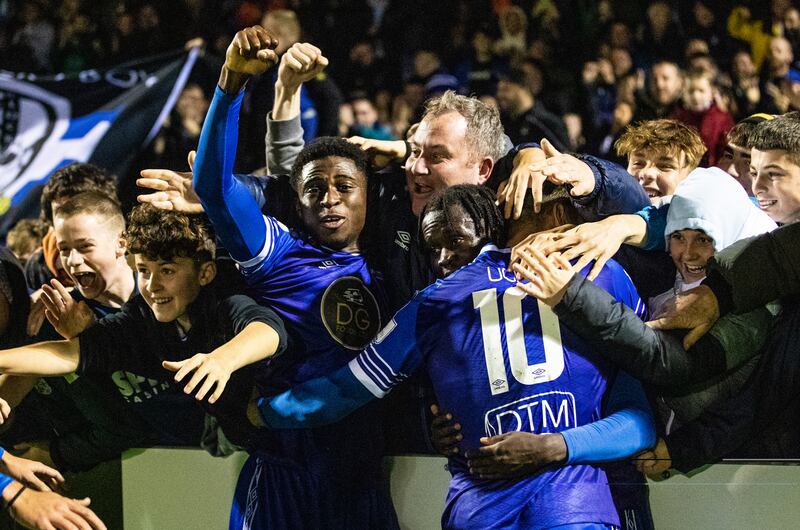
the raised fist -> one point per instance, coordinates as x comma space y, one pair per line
252, 51
302, 62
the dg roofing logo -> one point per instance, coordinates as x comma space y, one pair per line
350, 312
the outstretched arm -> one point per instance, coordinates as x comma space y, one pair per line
316, 402
235, 214
58, 357
254, 343
612, 327
372, 374
301, 63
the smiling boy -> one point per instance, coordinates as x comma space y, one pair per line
78, 422
661, 153
775, 168
180, 312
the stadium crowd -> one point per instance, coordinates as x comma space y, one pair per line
601, 197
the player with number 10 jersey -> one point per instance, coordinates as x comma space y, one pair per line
500, 362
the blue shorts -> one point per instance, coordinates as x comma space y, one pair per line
275, 494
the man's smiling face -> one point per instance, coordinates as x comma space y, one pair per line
441, 157
776, 184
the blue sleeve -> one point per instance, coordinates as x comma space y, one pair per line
257, 186
5, 480
372, 374
309, 118
615, 191
234, 212
656, 219
627, 428
315, 402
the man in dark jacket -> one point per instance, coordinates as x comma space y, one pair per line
524, 118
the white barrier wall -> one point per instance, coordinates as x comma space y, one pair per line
179, 489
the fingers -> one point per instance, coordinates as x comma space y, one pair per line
446, 433
201, 372
5, 411
183, 368
173, 366
665, 322
599, 263
76, 519
35, 482
521, 190
152, 183
36, 318
50, 473
208, 384
536, 262
536, 194
694, 335
81, 507
548, 148
221, 384
157, 200
190, 159
61, 290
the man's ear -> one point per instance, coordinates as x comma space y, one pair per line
122, 247
208, 271
485, 170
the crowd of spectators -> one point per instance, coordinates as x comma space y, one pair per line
576, 71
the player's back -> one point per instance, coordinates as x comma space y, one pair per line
500, 362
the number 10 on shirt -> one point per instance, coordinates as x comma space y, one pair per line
487, 303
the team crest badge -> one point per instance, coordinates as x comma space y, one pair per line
350, 313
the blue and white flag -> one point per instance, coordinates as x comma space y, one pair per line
102, 116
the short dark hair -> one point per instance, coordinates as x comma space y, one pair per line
739, 135
161, 234
93, 203
478, 202
326, 146
552, 196
73, 179
782, 133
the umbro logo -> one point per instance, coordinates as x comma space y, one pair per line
327, 264
403, 239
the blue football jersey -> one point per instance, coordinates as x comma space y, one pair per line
501, 362
329, 300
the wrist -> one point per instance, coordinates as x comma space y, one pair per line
232, 82
12, 492
284, 90
223, 360
555, 448
631, 229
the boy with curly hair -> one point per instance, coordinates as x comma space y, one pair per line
179, 313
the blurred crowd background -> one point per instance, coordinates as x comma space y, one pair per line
576, 71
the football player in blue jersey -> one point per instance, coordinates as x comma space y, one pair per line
315, 278
500, 361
